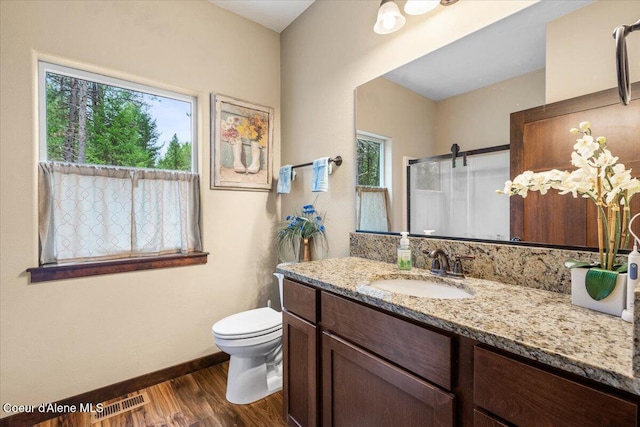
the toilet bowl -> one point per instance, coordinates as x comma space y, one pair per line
253, 340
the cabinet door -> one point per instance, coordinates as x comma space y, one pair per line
300, 386
360, 389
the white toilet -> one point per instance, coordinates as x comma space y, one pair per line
253, 339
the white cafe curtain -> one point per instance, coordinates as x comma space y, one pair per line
372, 209
90, 212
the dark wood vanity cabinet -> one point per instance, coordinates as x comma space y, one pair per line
348, 364
376, 369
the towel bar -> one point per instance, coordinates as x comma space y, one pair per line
337, 160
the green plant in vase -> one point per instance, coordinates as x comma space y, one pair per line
600, 178
300, 229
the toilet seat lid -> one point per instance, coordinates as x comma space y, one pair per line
250, 323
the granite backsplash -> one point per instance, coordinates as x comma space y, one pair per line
533, 267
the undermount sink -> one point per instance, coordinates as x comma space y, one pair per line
424, 288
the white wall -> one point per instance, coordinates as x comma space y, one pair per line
388, 109
62, 338
329, 51
581, 51
481, 118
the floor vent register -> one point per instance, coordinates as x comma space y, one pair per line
120, 407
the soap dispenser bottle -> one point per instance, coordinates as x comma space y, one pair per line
404, 253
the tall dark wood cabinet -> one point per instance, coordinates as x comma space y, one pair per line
300, 355
540, 141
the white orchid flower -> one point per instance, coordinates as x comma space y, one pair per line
507, 188
605, 159
586, 146
584, 126
537, 182
632, 187
578, 181
597, 176
619, 181
523, 182
557, 177
579, 161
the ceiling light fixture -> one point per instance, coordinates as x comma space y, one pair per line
418, 7
389, 18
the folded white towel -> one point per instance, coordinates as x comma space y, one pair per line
284, 180
320, 175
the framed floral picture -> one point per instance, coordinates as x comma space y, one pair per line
241, 144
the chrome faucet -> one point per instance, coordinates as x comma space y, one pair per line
440, 263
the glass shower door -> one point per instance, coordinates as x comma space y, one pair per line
445, 201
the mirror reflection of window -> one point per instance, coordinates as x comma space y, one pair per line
428, 176
370, 160
461, 201
372, 197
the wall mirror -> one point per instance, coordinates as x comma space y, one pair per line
459, 97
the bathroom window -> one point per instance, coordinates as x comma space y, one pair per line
87, 118
370, 160
117, 171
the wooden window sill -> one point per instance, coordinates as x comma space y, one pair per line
69, 271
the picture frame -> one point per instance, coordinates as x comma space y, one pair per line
241, 145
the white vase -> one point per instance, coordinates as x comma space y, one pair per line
237, 157
254, 167
613, 304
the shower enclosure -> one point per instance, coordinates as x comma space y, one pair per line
455, 195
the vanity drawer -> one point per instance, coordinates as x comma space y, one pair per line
300, 300
528, 396
482, 419
422, 351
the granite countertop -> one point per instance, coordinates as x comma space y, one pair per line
533, 323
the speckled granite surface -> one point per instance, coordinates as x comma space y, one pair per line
532, 267
533, 323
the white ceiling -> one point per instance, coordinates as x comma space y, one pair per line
511, 47
273, 14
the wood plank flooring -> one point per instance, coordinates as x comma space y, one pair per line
193, 400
